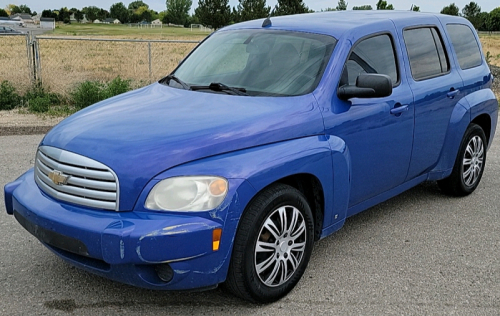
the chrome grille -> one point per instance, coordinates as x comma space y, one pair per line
76, 179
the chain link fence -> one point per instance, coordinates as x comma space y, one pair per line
16, 61
61, 63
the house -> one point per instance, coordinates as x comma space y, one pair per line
22, 17
36, 18
97, 21
111, 21
47, 23
73, 19
156, 22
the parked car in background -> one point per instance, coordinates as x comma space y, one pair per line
266, 138
9, 30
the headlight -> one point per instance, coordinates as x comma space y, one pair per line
200, 193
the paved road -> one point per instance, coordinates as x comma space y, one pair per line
420, 253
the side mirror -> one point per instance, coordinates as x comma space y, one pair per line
367, 86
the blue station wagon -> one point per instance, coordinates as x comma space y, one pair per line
263, 140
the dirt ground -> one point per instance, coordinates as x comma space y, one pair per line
18, 122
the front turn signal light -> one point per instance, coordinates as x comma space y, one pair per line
216, 234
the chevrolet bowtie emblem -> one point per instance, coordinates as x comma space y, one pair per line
58, 177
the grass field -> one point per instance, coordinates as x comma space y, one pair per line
491, 48
127, 32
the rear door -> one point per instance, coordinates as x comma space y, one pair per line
436, 86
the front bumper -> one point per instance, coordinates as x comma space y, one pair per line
129, 247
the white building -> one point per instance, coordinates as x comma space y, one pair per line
47, 23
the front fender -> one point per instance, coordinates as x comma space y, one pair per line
325, 157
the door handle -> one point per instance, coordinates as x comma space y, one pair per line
399, 109
452, 93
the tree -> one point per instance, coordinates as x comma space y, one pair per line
363, 7
178, 11
415, 8
49, 14
252, 9
494, 20
382, 5
24, 9
102, 14
63, 15
78, 15
3, 13
144, 14
471, 12
91, 12
119, 11
214, 13
341, 5
287, 7
14, 9
452, 9
136, 5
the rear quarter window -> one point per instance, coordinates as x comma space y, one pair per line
465, 45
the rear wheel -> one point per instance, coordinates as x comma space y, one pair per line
469, 164
272, 246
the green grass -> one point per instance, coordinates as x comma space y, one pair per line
125, 31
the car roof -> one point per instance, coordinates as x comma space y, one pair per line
337, 22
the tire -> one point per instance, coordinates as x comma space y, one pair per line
469, 164
267, 272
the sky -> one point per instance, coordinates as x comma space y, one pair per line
317, 5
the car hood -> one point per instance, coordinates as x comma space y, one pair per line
142, 133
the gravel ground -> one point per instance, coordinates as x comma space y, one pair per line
18, 122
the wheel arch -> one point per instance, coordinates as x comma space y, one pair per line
310, 186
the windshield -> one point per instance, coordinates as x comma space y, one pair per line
258, 62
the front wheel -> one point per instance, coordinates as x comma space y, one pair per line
469, 164
272, 246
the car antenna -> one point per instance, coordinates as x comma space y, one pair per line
267, 22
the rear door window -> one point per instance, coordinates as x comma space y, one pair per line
426, 52
465, 45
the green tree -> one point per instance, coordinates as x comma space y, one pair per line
494, 20
78, 15
287, 7
49, 14
415, 8
252, 9
136, 5
363, 7
452, 9
14, 9
341, 5
471, 12
119, 11
383, 5
3, 13
24, 9
178, 11
91, 12
214, 13
235, 16
63, 15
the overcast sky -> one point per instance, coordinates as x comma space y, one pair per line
317, 5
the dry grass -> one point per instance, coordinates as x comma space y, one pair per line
14, 62
66, 63
491, 48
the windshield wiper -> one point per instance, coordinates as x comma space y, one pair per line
217, 86
179, 81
